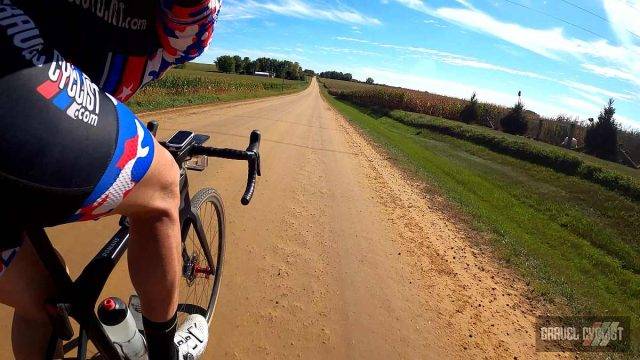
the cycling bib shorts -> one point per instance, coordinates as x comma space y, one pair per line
70, 150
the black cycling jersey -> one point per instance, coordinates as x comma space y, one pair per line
121, 45
69, 150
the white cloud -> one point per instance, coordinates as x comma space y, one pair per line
623, 17
546, 42
346, 51
417, 5
460, 60
627, 123
434, 23
594, 90
588, 109
464, 3
611, 73
236, 9
451, 88
466, 61
448, 58
598, 57
621, 61
354, 40
551, 43
595, 99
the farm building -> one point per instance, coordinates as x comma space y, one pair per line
263, 74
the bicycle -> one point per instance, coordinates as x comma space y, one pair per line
77, 299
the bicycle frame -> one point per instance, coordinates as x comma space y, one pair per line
77, 299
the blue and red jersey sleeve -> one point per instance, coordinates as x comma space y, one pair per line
185, 28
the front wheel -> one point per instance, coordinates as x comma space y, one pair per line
202, 256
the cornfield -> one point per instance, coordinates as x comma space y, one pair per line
394, 98
550, 130
185, 81
198, 84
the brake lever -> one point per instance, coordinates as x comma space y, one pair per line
255, 138
253, 159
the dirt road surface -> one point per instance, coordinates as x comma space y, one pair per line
339, 255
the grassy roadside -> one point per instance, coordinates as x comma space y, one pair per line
197, 84
613, 176
575, 242
548, 130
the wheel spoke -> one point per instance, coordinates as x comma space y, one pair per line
197, 287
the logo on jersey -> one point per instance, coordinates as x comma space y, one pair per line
23, 32
113, 12
71, 91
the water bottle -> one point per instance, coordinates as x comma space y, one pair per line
121, 327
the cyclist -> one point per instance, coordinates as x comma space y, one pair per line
71, 151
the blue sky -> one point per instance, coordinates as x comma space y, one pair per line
566, 60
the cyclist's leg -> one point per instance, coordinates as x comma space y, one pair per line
65, 145
154, 249
154, 260
25, 286
63, 164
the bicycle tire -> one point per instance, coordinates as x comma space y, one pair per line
197, 257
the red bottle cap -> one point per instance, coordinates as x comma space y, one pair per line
109, 304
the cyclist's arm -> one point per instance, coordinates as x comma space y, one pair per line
185, 28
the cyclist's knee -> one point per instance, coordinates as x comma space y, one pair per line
158, 194
167, 183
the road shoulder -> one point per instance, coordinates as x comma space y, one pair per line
482, 306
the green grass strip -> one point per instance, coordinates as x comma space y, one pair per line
525, 149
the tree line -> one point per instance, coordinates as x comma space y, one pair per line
601, 138
277, 68
337, 75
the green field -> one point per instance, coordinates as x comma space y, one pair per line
612, 176
551, 131
417, 120
576, 243
199, 84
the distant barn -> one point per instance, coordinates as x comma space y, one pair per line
263, 74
